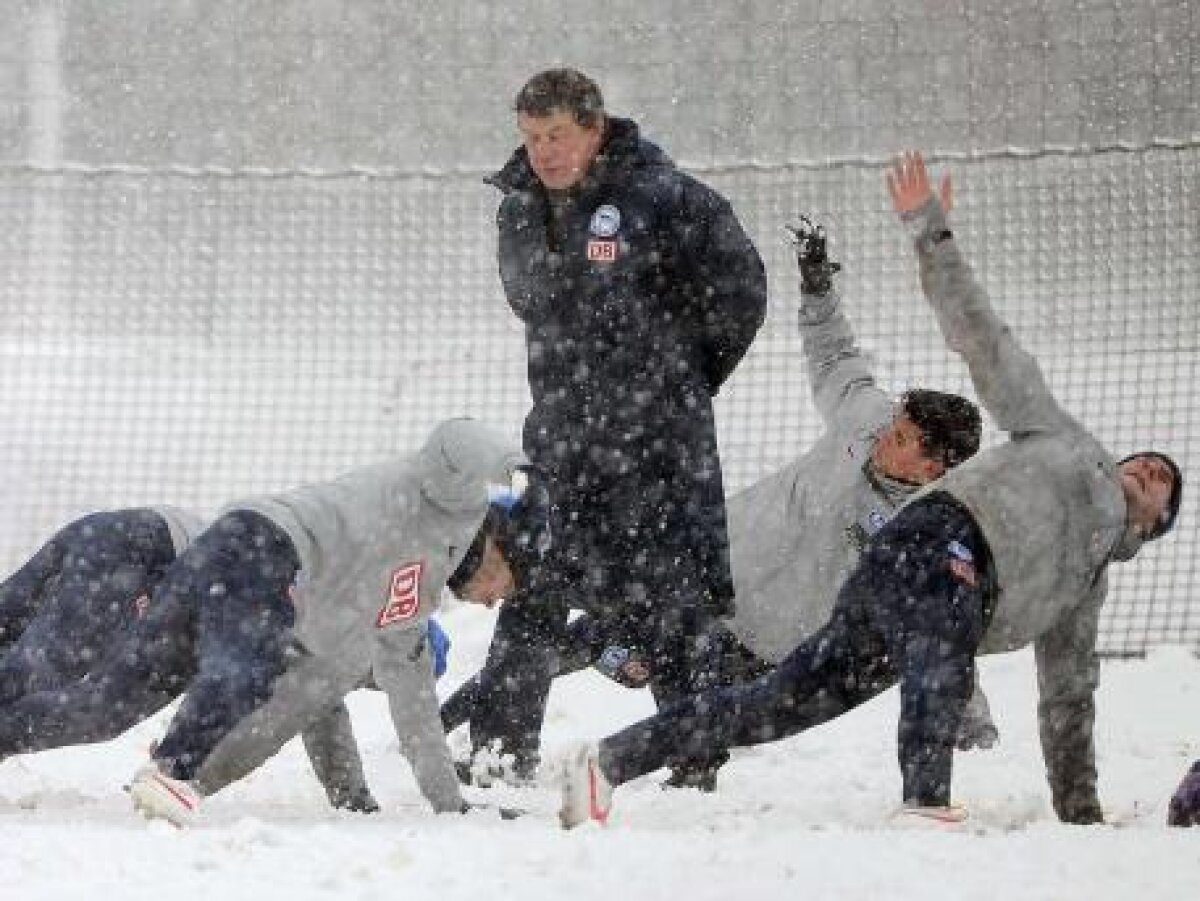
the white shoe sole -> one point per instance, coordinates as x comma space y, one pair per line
157, 798
937, 818
587, 796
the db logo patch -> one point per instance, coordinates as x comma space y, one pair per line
141, 604
404, 595
599, 251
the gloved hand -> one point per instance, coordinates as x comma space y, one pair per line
439, 647
816, 269
624, 666
1184, 809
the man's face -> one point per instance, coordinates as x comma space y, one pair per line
492, 582
1147, 482
899, 453
560, 149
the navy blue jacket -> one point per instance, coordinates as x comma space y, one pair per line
638, 299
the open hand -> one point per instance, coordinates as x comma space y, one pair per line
908, 183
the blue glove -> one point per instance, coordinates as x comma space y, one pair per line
1185, 803
439, 647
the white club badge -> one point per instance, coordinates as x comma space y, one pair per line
606, 221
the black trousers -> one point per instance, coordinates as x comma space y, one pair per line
913, 611
630, 551
532, 645
583, 643
218, 625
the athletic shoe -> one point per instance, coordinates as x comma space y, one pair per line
914, 816
160, 797
586, 794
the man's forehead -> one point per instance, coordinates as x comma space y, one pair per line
556, 118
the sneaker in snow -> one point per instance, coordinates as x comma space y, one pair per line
911, 815
158, 796
586, 794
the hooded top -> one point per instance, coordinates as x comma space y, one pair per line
376, 547
1050, 504
797, 533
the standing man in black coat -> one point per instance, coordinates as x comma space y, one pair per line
640, 293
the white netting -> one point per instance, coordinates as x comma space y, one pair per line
191, 338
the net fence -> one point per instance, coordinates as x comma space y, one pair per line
192, 337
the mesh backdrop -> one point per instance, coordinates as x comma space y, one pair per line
191, 338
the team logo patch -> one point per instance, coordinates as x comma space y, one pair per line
404, 595
875, 522
962, 564
601, 251
606, 221
141, 604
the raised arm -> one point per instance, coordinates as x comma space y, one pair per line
839, 374
1008, 380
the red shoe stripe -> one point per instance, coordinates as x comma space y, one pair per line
595, 811
941, 814
175, 793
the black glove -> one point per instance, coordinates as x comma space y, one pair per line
624, 666
1184, 809
816, 269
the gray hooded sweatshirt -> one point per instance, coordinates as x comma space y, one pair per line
796, 534
376, 547
1050, 504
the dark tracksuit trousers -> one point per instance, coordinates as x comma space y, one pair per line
77, 597
913, 611
633, 554
218, 625
533, 644
583, 643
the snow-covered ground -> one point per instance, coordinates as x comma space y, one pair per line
805, 819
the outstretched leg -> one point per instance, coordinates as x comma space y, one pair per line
137, 678
576, 648
836, 669
107, 565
